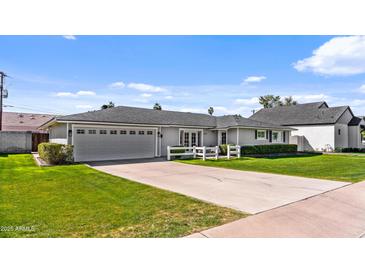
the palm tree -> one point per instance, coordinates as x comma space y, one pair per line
157, 106
210, 110
289, 101
109, 105
269, 101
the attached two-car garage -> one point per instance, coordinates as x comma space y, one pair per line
109, 143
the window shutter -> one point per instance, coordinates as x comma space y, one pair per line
267, 134
256, 134
270, 136
284, 135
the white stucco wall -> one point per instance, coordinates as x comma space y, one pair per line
317, 136
247, 137
58, 134
341, 136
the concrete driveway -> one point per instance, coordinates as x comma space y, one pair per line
250, 192
337, 213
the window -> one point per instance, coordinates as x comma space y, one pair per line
102, 131
132, 132
193, 139
224, 138
123, 132
80, 131
339, 131
113, 132
261, 135
92, 131
149, 132
141, 132
276, 137
186, 139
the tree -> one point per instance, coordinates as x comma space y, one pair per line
269, 101
289, 101
210, 110
109, 105
157, 106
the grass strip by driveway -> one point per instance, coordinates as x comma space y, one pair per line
77, 201
332, 167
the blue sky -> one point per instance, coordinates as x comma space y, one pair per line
61, 75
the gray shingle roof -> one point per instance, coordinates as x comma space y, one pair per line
133, 115
355, 121
233, 121
301, 114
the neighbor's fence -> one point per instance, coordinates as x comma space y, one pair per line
195, 152
202, 152
15, 141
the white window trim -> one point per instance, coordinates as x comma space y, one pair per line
280, 137
192, 130
261, 138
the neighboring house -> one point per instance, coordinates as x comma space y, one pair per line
15, 121
322, 126
129, 132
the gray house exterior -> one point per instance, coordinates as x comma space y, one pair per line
322, 127
130, 133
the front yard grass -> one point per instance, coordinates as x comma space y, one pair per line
344, 168
77, 201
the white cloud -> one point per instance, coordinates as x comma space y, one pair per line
169, 97
247, 102
308, 98
362, 88
85, 93
145, 87
254, 79
84, 106
357, 103
79, 93
69, 37
339, 56
146, 95
117, 85
65, 94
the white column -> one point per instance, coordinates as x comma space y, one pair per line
168, 153
238, 136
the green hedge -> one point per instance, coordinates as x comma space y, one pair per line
55, 153
268, 149
350, 149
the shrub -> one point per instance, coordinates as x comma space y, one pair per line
55, 153
178, 150
223, 149
268, 149
350, 149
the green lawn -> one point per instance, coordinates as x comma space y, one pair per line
77, 201
333, 167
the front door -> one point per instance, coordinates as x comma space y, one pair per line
192, 138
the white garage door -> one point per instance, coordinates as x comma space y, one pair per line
97, 144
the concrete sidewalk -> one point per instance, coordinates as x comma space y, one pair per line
337, 213
251, 192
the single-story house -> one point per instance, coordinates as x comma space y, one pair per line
322, 126
129, 132
15, 121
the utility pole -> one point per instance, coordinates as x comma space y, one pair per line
2, 76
